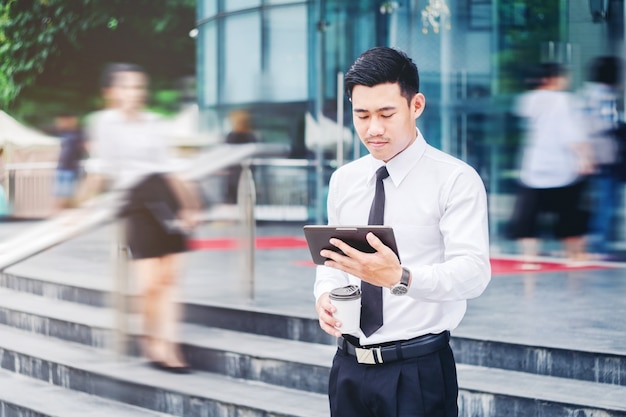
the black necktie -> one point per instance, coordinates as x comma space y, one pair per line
372, 295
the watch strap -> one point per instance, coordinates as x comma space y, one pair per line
406, 276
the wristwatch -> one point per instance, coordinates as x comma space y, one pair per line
402, 287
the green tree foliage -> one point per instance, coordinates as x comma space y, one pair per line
54, 50
524, 26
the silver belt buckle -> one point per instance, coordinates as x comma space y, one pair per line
368, 356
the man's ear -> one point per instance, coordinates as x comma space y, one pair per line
417, 104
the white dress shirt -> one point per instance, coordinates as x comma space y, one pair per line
437, 207
553, 128
127, 150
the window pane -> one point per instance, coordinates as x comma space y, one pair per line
278, 1
287, 55
207, 8
242, 51
232, 5
208, 59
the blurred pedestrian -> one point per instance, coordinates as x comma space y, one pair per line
554, 165
67, 128
130, 149
399, 362
599, 103
241, 133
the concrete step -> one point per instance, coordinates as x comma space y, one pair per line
234, 341
90, 292
608, 367
131, 381
283, 362
488, 392
77, 323
484, 392
27, 397
252, 319
262, 321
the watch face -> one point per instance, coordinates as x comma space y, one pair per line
399, 289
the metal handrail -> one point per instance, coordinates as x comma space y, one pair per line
30, 165
278, 162
103, 209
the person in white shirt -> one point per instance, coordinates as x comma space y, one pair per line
437, 207
599, 97
130, 151
556, 159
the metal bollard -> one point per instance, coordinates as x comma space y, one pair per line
246, 200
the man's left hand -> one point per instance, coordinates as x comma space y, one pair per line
381, 268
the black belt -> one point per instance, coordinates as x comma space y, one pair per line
397, 351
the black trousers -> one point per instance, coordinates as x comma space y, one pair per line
565, 202
418, 387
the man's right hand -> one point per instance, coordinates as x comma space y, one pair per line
325, 311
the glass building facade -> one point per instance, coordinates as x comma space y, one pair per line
283, 61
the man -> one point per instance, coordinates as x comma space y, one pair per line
437, 207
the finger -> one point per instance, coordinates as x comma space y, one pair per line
325, 306
339, 259
329, 329
375, 242
328, 318
343, 263
348, 250
328, 323
331, 326
379, 246
331, 254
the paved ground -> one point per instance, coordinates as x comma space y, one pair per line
583, 309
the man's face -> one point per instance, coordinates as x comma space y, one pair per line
384, 120
130, 90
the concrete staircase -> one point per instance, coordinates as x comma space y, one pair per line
56, 359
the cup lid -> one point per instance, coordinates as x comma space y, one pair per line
345, 293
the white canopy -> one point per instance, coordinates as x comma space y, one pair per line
16, 134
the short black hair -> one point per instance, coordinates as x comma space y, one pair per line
552, 70
382, 65
606, 70
540, 74
106, 79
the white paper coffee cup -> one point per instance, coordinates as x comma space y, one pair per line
347, 301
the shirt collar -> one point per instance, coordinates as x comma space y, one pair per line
401, 164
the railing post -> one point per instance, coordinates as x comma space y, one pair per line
246, 200
120, 292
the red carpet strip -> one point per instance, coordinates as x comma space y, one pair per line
498, 266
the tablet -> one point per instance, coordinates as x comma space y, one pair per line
317, 237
